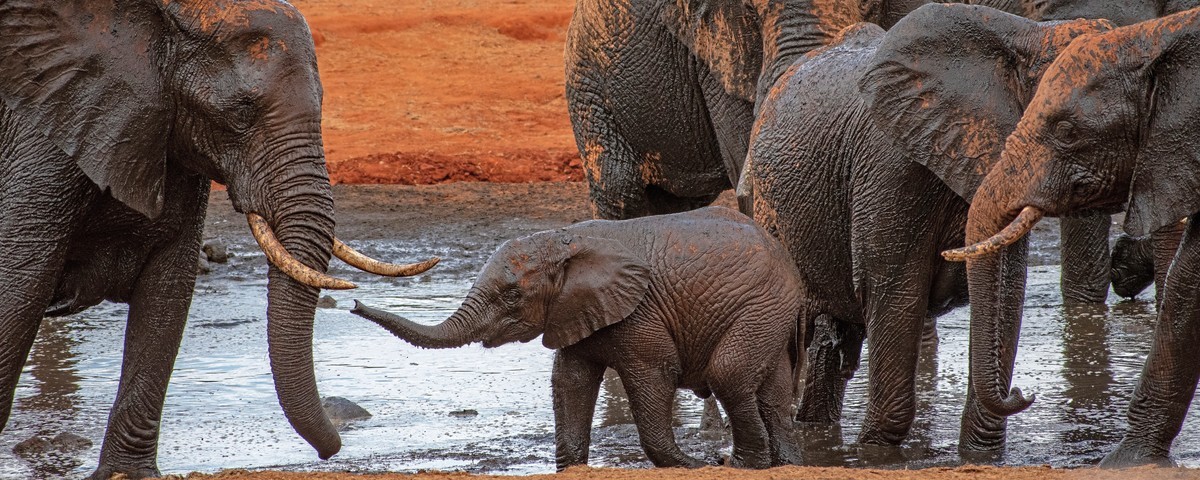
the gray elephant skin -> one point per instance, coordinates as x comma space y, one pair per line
863, 160
662, 94
115, 117
1112, 126
703, 300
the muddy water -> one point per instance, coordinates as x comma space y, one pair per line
221, 410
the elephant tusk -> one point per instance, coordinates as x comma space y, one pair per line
371, 265
1021, 225
288, 264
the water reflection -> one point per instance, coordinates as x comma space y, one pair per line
52, 366
1088, 377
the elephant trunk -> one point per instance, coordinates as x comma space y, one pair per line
291, 193
461, 328
996, 280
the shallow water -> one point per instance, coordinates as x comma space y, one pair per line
221, 409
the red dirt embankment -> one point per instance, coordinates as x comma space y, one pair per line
431, 91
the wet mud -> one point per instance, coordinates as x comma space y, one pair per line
488, 411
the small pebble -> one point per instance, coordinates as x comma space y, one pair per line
327, 301
470, 412
216, 251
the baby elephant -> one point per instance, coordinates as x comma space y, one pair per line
703, 300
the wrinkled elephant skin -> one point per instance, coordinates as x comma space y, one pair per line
703, 300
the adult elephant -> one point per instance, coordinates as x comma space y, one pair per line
115, 116
1085, 251
1113, 125
863, 161
662, 94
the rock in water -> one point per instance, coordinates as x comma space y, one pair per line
327, 301
216, 251
341, 411
70, 442
470, 412
32, 447
204, 266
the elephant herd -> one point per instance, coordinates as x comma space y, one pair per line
870, 136
868, 141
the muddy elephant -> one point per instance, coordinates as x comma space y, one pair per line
703, 300
863, 161
1113, 125
1085, 238
115, 117
661, 95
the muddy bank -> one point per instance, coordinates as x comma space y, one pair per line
712, 473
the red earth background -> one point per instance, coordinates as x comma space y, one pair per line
433, 91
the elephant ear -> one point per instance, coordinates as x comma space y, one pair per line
725, 35
603, 282
1166, 180
949, 83
84, 74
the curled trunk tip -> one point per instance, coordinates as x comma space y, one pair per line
1012, 404
1020, 226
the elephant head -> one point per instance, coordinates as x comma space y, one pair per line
555, 284
223, 89
1112, 123
948, 84
1120, 12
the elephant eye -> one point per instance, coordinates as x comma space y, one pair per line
511, 296
1064, 132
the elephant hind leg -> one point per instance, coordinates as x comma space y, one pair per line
774, 406
834, 349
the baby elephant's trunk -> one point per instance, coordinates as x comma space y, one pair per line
456, 331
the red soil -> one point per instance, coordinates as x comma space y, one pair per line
431, 91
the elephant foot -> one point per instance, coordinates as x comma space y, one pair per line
1128, 455
818, 414
106, 472
982, 442
881, 437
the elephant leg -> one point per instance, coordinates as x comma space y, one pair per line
834, 349
616, 188
895, 322
1085, 259
158, 310
42, 197
1168, 382
575, 383
751, 440
1165, 243
651, 400
774, 406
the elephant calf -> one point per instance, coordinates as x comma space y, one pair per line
703, 300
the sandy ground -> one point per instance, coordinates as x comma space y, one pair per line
430, 91
716, 473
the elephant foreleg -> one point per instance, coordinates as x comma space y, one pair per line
575, 384
1168, 382
158, 310
616, 189
1165, 243
42, 198
1085, 259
